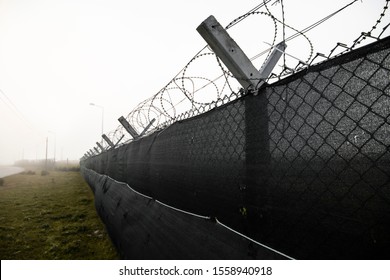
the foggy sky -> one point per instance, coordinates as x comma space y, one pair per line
57, 56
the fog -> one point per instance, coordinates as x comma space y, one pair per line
58, 56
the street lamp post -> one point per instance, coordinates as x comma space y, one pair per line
101, 107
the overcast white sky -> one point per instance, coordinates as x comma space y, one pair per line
57, 56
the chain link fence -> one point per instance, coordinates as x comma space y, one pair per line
205, 83
302, 167
329, 157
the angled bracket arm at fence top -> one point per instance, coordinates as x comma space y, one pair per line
233, 57
270, 63
147, 127
100, 146
128, 127
109, 142
119, 140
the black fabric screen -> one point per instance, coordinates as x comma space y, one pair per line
302, 167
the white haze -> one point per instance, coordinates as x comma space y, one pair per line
58, 56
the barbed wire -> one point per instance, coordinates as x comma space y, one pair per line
302, 167
205, 83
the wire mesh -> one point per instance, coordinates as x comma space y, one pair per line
303, 166
204, 82
329, 150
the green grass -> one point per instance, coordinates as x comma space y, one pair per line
51, 217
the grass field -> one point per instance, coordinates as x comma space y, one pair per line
51, 217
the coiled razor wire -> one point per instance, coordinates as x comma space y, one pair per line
302, 167
179, 100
